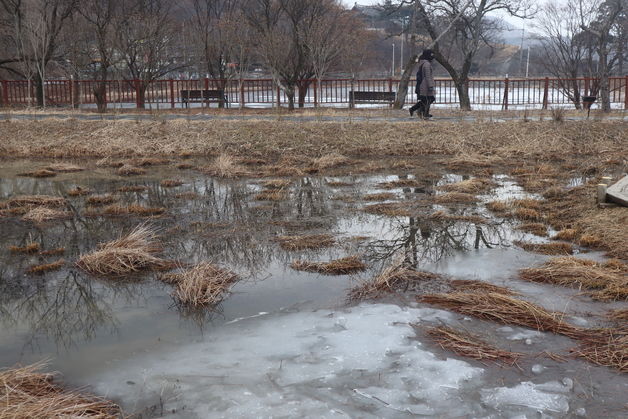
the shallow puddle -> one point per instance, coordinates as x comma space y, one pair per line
286, 343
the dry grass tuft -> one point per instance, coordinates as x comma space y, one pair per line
43, 214
455, 198
503, 309
65, 168
534, 228
472, 160
140, 210
465, 344
203, 285
401, 183
36, 200
566, 234
344, 266
29, 248
40, 269
553, 192
393, 278
527, 214
313, 241
98, 200
391, 209
619, 315
28, 393
40, 173
185, 166
498, 206
470, 285
277, 183
171, 183
338, 184
147, 161
128, 170
589, 240
608, 280
330, 160
283, 170
272, 195
224, 166
529, 203
132, 253
384, 196
109, 162
609, 349
609, 225
556, 248
78, 191
53, 252
470, 186
133, 188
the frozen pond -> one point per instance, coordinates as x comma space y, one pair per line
287, 343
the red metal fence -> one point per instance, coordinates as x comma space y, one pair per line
498, 93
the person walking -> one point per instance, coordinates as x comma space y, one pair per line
425, 87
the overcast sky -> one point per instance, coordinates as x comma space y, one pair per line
513, 21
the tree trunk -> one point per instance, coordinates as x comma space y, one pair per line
303, 87
402, 89
290, 96
39, 90
576, 95
100, 95
141, 96
462, 86
603, 89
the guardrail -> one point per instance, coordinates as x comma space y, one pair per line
503, 93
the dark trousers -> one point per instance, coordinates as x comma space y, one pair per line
423, 105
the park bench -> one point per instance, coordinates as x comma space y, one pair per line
371, 97
205, 95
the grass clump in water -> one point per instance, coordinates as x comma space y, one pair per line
470, 186
455, 198
42, 214
40, 173
132, 253
393, 278
555, 248
344, 266
28, 393
128, 170
306, 242
224, 166
203, 285
98, 200
46, 267
28, 249
537, 229
467, 345
79, 191
171, 183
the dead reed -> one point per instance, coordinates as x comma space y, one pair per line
393, 278
605, 229
529, 203
401, 183
471, 285
128, 170
455, 198
28, 393
619, 315
330, 160
383, 196
29, 248
272, 195
224, 166
104, 199
133, 188
470, 186
537, 229
554, 248
39, 173
53, 252
467, 345
47, 267
499, 207
338, 184
185, 166
527, 214
306, 242
78, 191
134, 252
171, 183
203, 285
282, 170
344, 266
147, 161
64, 168
42, 214
277, 183
566, 234
609, 282
140, 210
503, 309
36, 201
391, 209
608, 348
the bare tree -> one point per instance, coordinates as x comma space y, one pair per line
146, 40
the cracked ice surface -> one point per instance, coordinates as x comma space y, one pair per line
362, 361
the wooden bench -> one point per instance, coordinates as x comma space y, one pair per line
371, 97
205, 95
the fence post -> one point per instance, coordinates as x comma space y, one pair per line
546, 93
171, 82
5, 93
390, 83
505, 102
138, 101
241, 94
586, 86
315, 94
278, 97
351, 100
626, 93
